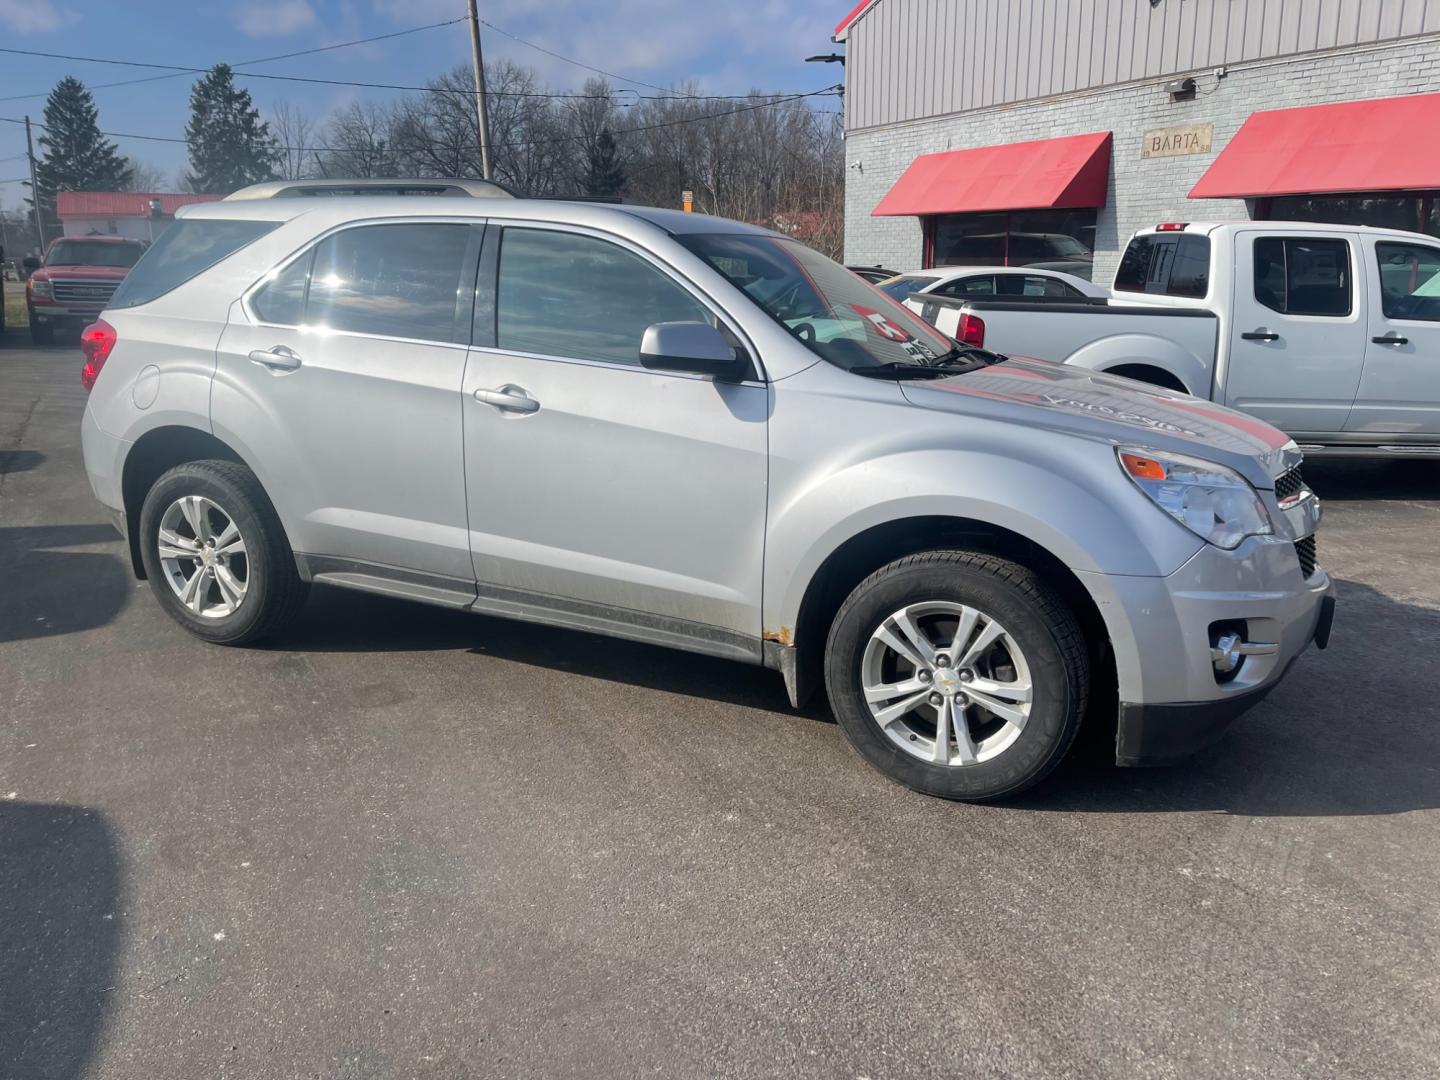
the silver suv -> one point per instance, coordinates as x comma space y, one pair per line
687, 431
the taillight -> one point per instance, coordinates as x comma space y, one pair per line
1172, 226
96, 341
972, 330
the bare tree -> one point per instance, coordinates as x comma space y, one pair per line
360, 143
294, 131
147, 177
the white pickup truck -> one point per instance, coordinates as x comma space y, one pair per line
1329, 332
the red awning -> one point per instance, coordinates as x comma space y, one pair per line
1385, 144
1038, 175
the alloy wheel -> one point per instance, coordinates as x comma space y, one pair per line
203, 556
946, 683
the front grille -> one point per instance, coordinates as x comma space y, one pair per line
1305, 551
85, 292
1289, 485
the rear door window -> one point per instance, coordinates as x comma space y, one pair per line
184, 250
1303, 275
405, 281
979, 285
1033, 286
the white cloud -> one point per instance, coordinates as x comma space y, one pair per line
276, 18
34, 16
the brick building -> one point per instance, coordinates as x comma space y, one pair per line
1044, 132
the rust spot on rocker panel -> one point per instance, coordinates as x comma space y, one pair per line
785, 635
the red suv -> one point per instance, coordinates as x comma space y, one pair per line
74, 283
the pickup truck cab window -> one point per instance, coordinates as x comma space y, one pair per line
1303, 275
1409, 281
1177, 264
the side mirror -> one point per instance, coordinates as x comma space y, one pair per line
695, 347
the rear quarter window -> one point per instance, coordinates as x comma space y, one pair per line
184, 250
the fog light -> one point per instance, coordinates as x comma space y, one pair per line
1229, 648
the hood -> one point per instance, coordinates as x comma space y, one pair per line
61, 271
1107, 408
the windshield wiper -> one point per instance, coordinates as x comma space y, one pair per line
938, 367
984, 356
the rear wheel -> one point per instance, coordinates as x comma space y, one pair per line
958, 674
216, 555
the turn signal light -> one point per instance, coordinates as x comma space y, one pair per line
1142, 468
96, 342
971, 330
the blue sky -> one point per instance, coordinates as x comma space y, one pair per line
728, 47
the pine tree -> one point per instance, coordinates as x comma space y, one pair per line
74, 155
604, 173
230, 146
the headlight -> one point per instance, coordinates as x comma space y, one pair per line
41, 290
1215, 503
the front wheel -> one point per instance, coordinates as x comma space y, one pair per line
216, 555
41, 334
958, 674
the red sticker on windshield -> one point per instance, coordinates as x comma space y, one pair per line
880, 324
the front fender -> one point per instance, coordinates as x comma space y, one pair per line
1080, 509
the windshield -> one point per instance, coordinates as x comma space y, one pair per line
93, 253
832, 312
898, 288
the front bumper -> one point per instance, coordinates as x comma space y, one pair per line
1160, 734
1171, 700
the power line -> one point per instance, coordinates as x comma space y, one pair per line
246, 63
181, 69
587, 67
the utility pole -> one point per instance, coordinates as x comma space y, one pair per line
34, 187
480, 112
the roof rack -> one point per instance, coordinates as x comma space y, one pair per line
291, 189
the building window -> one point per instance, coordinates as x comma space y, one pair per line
1412, 211
1050, 239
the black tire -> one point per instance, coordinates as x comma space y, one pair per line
1041, 624
274, 592
41, 335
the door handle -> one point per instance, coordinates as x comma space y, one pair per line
1259, 335
277, 358
1391, 338
509, 399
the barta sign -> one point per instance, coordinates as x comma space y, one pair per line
1175, 141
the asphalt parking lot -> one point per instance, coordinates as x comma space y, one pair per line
406, 842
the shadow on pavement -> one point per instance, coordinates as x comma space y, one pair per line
13, 461
45, 593
1340, 478
1352, 730
339, 620
59, 935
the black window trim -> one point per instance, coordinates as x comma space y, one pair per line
465, 301
1285, 240
1380, 282
485, 335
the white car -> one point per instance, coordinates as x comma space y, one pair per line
992, 283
